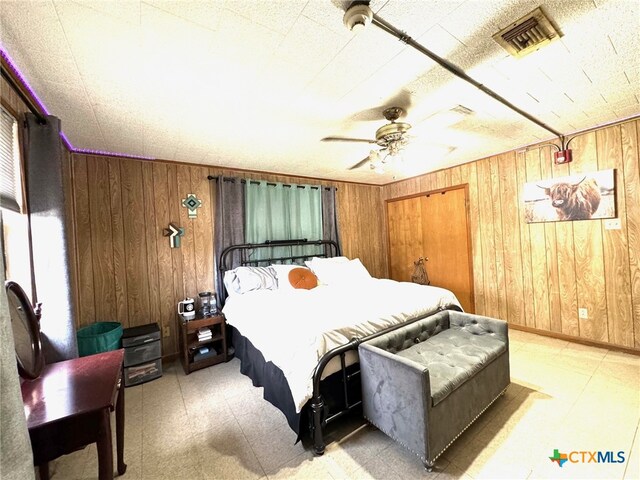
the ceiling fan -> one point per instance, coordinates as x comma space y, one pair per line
392, 138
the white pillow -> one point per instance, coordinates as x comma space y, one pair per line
231, 282
246, 279
340, 272
320, 261
358, 270
282, 274
323, 267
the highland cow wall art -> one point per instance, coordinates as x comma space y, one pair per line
583, 196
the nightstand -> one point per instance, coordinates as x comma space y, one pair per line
190, 345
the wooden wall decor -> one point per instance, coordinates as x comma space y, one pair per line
420, 275
538, 275
191, 203
174, 233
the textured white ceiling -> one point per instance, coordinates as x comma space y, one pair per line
257, 84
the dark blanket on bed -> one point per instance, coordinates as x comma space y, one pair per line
276, 388
270, 377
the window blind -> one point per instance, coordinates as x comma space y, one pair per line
9, 170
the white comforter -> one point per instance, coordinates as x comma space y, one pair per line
293, 329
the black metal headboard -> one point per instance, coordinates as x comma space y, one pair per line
331, 249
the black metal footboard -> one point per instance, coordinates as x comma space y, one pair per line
320, 414
320, 418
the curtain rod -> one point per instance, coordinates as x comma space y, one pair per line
269, 184
26, 100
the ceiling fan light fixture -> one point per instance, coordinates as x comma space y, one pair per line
357, 17
392, 132
377, 167
394, 148
391, 139
395, 157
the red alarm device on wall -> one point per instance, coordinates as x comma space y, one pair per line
562, 156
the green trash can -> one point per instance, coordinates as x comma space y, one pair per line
99, 337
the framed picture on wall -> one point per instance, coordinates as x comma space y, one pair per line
583, 196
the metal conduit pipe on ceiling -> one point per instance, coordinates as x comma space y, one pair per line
359, 14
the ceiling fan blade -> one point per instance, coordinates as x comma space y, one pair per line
347, 139
361, 163
368, 115
422, 148
402, 99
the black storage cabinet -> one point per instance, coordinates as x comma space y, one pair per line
142, 354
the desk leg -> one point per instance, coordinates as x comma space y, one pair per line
105, 449
122, 467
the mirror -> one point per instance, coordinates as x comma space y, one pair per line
25, 324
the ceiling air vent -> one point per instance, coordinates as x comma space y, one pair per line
461, 109
528, 34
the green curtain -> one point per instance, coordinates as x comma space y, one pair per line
282, 212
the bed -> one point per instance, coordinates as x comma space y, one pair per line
301, 345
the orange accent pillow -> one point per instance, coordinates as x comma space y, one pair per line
303, 278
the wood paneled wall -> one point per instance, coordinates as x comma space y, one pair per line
538, 275
126, 270
10, 99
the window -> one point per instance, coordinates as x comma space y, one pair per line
15, 225
282, 212
9, 162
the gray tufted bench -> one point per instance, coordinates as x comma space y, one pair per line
425, 383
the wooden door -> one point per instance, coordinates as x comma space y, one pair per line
445, 238
405, 237
433, 226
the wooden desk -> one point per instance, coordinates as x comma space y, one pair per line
69, 405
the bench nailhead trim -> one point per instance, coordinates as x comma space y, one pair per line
448, 444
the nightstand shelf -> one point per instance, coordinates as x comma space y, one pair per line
198, 344
189, 343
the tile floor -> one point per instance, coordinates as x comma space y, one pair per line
215, 424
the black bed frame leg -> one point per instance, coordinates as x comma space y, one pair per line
317, 406
429, 465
